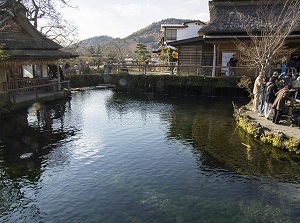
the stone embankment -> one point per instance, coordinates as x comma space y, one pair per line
280, 135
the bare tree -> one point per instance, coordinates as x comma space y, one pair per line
118, 49
45, 17
268, 30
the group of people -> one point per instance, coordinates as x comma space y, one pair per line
77, 68
270, 96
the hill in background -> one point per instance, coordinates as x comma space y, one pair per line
107, 46
150, 34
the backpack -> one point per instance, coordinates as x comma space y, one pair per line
270, 93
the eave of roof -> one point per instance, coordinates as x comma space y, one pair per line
173, 26
195, 21
34, 54
230, 37
183, 41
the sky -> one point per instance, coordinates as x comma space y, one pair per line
120, 18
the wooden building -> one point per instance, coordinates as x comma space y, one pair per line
195, 56
193, 53
28, 59
225, 28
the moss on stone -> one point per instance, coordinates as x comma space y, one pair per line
278, 140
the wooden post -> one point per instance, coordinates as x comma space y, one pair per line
58, 77
213, 74
36, 92
14, 96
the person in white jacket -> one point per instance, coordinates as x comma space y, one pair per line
257, 90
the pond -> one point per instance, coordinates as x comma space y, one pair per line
102, 156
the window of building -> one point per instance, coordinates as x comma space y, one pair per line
171, 34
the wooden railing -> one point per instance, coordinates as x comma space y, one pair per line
24, 85
33, 86
175, 69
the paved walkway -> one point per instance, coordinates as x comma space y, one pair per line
281, 127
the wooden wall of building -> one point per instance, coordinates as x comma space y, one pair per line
192, 58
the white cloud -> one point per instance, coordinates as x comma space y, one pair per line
118, 18
127, 10
195, 2
204, 17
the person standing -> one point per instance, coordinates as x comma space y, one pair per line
262, 99
283, 70
271, 90
257, 89
232, 65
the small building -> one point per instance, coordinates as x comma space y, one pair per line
30, 62
193, 53
195, 56
176, 32
225, 28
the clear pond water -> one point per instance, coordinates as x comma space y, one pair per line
108, 157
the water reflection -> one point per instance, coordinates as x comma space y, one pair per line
26, 140
209, 126
32, 133
125, 158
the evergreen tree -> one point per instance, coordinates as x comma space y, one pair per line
141, 52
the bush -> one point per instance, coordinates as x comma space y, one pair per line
85, 80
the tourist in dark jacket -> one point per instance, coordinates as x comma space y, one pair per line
271, 90
279, 103
288, 79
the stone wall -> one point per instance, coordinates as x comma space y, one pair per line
276, 139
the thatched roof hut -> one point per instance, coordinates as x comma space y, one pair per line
22, 42
24, 48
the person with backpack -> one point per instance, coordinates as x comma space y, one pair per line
271, 90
